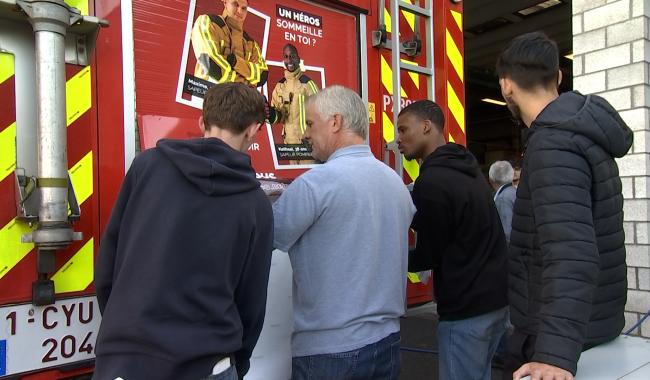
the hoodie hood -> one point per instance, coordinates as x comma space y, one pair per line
455, 157
590, 116
211, 165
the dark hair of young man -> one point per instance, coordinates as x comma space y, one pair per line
426, 110
530, 60
292, 47
232, 106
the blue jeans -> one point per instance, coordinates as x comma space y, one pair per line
229, 374
377, 361
466, 346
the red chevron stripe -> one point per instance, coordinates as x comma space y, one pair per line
8, 101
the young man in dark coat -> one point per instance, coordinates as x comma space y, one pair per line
459, 236
567, 268
183, 266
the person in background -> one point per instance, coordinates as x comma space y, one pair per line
501, 178
288, 99
183, 265
345, 226
224, 51
459, 236
516, 174
568, 278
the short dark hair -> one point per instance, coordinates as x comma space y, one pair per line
292, 47
232, 106
530, 60
426, 110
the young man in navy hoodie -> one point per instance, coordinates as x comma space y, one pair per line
183, 267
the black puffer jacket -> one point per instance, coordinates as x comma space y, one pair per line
568, 278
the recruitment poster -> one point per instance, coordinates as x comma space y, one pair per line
288, 50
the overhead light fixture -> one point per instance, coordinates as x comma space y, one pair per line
494, 101
542, 6
569, 56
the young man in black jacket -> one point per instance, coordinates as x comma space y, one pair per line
183, 267
568, 279
459, 236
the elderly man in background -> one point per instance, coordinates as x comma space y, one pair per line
501, 174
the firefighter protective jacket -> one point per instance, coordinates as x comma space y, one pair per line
226, 53
289, 99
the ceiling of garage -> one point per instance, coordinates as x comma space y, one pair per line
489, 25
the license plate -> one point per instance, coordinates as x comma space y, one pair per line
38, 337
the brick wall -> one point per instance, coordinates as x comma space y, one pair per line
611, 46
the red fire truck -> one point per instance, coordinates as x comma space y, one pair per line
85, 85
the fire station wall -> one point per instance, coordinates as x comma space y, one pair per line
611, 58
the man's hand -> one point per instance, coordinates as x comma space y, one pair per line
541, 371
272, 115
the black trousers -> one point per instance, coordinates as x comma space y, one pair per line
521, 348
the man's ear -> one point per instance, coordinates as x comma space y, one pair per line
337, 125
559, 78
201, 124
506, 86
251, 131
427, 125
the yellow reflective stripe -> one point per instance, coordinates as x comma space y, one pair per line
251, 77
81, 175
213, 52
7, 151
387, 21
301, 104
82, 5
410, 19
455, 56
78, 95
11, 249
387, 78
6, 66
412, 168
456, 107
388, 128
415, 77
458, 17
451, 138
413, 277
313, 87
77, 274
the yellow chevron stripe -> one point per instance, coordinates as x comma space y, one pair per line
78, 95
82, 5
410, 18
7, 151
455, 56
389, 129
387, 78
77, 274
415, 77
6, 66
412, 168
11, 249
81, 175
413, 277
456, 107
458, 17
451, 138
388, 21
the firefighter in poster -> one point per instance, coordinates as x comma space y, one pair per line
224, 51
289, 98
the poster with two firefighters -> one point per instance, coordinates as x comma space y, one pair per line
278, 47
